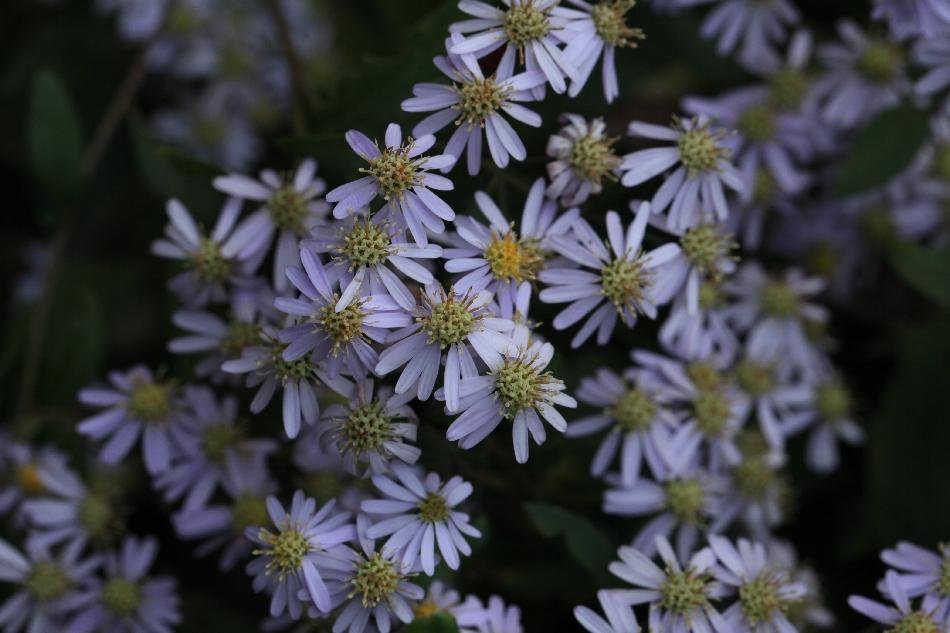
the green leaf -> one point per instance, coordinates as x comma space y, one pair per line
882, 149
585, 541
54, 137
927, 270
440, 622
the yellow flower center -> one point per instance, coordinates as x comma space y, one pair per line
610, 22
525, 23
513, 260
149, 402
593, 159
122, 597
880, 61
634, 411
376, 580
683, 591
624, 282
478, 98
700, 150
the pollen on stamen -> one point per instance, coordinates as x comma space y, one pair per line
479, 98
624, 282
395, 172
375, 580
700, 148
450, 321
513, 260
609, 17
683, 591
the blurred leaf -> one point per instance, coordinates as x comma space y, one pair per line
55, 138
926, 269
901, 130
436, 623
187, 164
587, 544
157, 174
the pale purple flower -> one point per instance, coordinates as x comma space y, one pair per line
136, 19
499, 618
908, 18
617, 606
517, 389
757, 491
22, 466
401, 175
289, 563
126, 600
530, 30
290, 206
701, 157
811, 611
470, 615
832, 422
136, 405
419, 514
621, 280
922, 572
753, 29
903, 614
583, 158
934, 55
474, 103
702, 333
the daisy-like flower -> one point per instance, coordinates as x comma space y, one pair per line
289, 562
909, 18
448, 327
752, 28
475, 103
863, 76
618, 609
621, 281
498, 258
469, 615
529, 29
758, 491
701, 157
923, 572
137, 404
583, 158
903, 615
371, 431
46, 586
21, 468
765, 594
498, 617
811, 612
633, 417
419, 514
126, 600
290, 206
401, 175
516, 389
369, 252
679, 593
701, 332
833, 422
597, 30
340, 336
210, 261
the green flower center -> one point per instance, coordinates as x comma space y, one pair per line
700, 150
760, 600
323, 485
342, 326
624, 282
149, 402
683, 591
511, 259
704, 245
880, 61
610, 22
28, 479
207, 263
288, 208
519, 385
765, 188
247, 510
478, 98
787, 88
288, 370
634, 410
376, 579
288, 549
449, 322
96, 515
943, 584
218, 439
46, 581
122, 597
832, 401
393, 170
757, 123
433, 509
822, 259
941, 161
756, 379
365, 245
685, 499
779, 300
709, 297
366, 428
915, 622
712, 411
754, 477
240, 334
593, 159
525, 23
703, 375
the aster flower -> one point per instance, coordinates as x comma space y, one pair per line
623, 282
369, 252
470, 615
751, 28
290, 206
695, 187
46, 586
500, 618
532, 29
371, 431
701, 332
594, 31
448, 328
634, 416
619, 612
908, 18
516, 389
758, 491
401, 175
811, 611
832, 422
921, 572
289, 563
21, 467
136, 404
416, 515
210, 261
498, 258
327, 332
126, 600
583, 157
903, 615
136, 20
475, 102
934, 55
680, 593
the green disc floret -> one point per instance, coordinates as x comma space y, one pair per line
760, 599
756, 379
765, 188
525, 23
366, 427
149, 402
248, 510
288, 370
478, 98
240, 334
207, 263
700, 150
288, 208
593, 158
757, 123
393, 170
705, 245
513, 260
633, 411
343, 326
366, 244
754, 477
609, 17
624, 282
683, 591
943, 584
28, 480
915, 622
218, 439
96, 515
518, 385
778, 299
685, 499
787, 88
450, 321
712, 411
122, 597
288, 549
704, 375
376, 580
433, 509
833, 401
880, 61
46, 581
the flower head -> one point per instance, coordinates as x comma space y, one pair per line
583, 158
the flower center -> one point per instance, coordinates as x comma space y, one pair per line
323, 485
712, 411
754, 477
247, 510
366, 428
704, 245
609, 17
288, 208
683, 591
765, 189
240, 334
525, 23
218, 439
149, 402
479, 98
832, 401
28, 479
342, 326
365, 245
709, 296
822, 259
700, 150
96, 515
941, 162
449, 322
915, 622
433, 509
511, 259
880, 61
393, 170
121, 597
943, 584
288, 370
760, 600
787, 88
593, 158
624, 282
779, 300
756, 379
703, 375
519, 385
634, 411
685, 499
757, 123
207, 263
46, 581
376, 579
288, 549
426, 609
